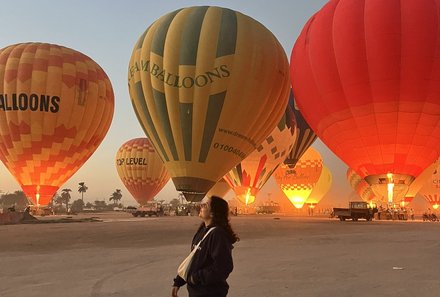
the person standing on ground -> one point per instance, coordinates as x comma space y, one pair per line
212, 263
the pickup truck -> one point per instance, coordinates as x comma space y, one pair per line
149, 209
356, 211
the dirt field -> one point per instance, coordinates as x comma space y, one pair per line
290, 256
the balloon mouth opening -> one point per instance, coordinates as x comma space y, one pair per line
192, 196
390, 187
193, 188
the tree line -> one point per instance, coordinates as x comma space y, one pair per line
62, 202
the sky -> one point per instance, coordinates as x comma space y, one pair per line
106, 31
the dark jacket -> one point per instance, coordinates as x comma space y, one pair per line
211, 264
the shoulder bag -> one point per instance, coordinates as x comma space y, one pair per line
183, 269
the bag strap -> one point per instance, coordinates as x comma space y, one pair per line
206, 234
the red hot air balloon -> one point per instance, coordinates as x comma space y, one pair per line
141, 169
365, 74
56, 106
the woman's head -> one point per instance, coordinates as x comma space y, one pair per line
216, 211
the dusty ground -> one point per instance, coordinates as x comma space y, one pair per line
308, 257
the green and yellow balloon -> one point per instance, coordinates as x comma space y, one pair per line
208, 85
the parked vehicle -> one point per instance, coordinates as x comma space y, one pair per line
149, 209
357, 210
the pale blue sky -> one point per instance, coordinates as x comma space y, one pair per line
106, 31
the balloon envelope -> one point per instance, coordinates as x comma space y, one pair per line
208, 85
141, 169
431, 189
56, 105
248, 177
321, 187
297, 183
360, 186
305, 136
365, 75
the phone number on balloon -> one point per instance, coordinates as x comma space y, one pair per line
229, 149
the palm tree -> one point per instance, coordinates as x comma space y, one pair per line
82, 189
65, 196
116, 196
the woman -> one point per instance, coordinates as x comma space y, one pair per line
212, 263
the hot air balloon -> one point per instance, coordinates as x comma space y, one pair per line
56, 105
304, 136
141, 169
248, 177
321, 187
360, 186
419, 182
220, 189
297, 183
208, 85
365, 74
431, 188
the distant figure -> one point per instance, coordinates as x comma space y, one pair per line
212, 262
411, 214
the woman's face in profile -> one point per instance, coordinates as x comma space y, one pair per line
205, 209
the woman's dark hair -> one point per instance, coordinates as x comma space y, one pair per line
220, 216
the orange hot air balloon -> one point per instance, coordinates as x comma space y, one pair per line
56, 105
360, 186
248, 177
208, 84
297, 183
365, 75
141, 169
305, 137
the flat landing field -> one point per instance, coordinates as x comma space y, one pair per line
286, 256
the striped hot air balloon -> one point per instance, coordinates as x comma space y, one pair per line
305, 136
248, 177
361, 187
56, 105
297, 183
141, 169
208, 85
431, 188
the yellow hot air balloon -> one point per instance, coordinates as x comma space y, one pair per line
208, 85
298, 183
321, 188
56, 105
220, 189
141, 169
248, 177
